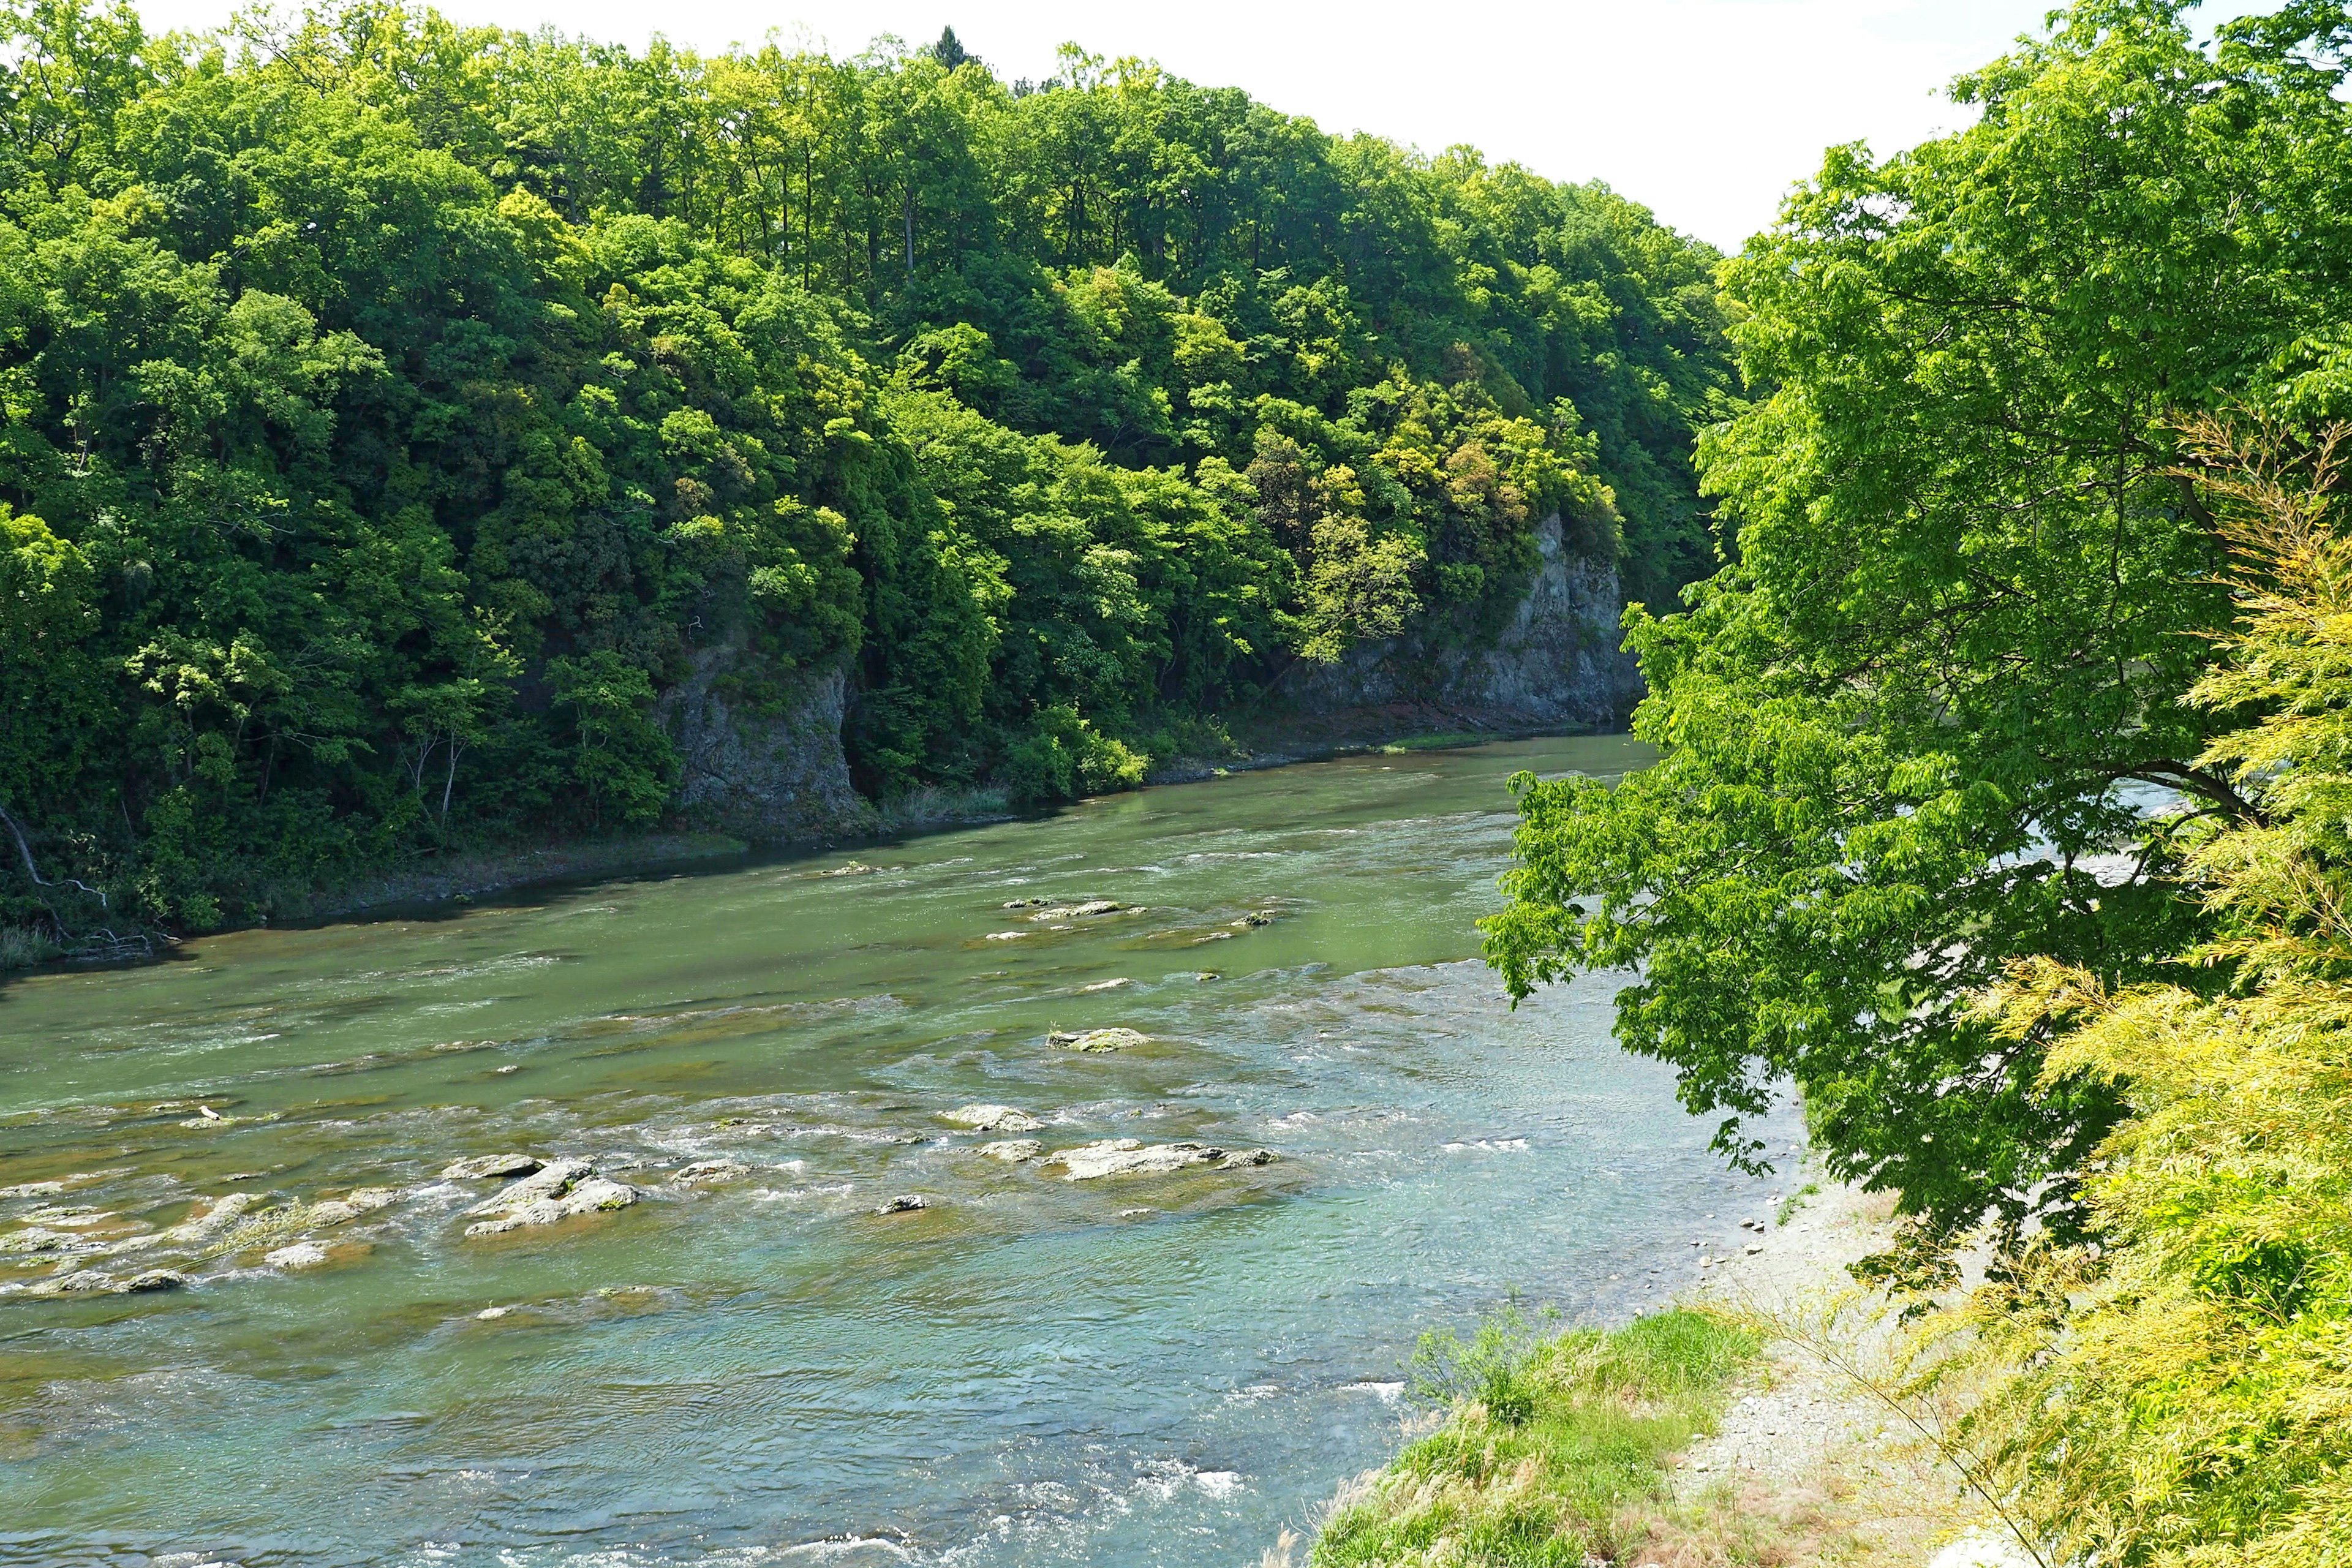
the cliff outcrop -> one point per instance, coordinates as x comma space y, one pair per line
1555, 663
761, 750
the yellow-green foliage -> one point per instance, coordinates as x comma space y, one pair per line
2185, 1395
1597, 1412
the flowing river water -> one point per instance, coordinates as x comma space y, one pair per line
1031, 1370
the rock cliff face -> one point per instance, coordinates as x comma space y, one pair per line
1556, 662
769, 769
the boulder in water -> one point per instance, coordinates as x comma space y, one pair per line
79, 1283
351, 1205
223, 1213
702, 1173
1012, 1151
92, 1282
1242, 1158
904, 1203
991, 1119
485, 1165
155, 1280
551, 1194
1094, 1041
1129, 1157
1091, 908
300, 1256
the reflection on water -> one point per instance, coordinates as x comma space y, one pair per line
753, 1365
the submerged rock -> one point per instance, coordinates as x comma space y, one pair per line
1129, 1157
904, 1203
549, 1195
1012, 1151
704, 1171
991, 1119
488, 1166
1098, 1040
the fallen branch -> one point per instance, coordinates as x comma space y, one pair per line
25, 851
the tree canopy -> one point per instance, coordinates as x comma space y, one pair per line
1930, 718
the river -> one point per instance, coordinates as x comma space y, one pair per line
1028, 1371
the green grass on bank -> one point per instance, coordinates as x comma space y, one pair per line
1552, 1451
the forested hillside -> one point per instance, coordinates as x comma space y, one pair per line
393, 411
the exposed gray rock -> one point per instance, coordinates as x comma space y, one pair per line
80, 1282
1242, 1158
904, 1203
1557, 661
223, 1213
1129, 1157
554, 1193
39, 1238
760, 749
703, 1172
1098, 1040
991, 1119
1012, 1151
155, 1280
1086, 910
486, 1165
300, 1256
351, 1205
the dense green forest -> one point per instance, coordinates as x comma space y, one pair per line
392, 409
2004, 795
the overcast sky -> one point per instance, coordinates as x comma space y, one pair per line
1704, 110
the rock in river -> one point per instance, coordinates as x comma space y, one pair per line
904, 1203
1012, 1151
552, 1193
300, 1256
1091, 908
702, 1173
1097, 1039
991, 1119
488, 1166
92, 1282
1129, 1157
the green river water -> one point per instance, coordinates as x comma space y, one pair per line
1029, 1370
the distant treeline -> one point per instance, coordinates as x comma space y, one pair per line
389, 410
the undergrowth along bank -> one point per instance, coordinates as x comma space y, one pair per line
1552, 1451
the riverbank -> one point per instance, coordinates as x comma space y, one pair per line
490, 873
1786, 1462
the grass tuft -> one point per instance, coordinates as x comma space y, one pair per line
24, 948
1571, 1465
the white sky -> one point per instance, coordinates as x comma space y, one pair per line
1704, 110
